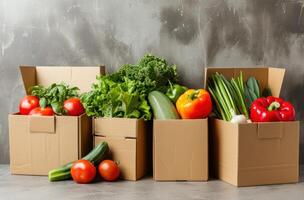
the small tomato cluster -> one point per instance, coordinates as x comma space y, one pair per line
29, 105
83, 171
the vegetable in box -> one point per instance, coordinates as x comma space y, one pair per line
125, 92
236, 102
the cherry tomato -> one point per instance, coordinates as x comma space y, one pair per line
73, 106
83, 171
109, 170
27, 104
39, 111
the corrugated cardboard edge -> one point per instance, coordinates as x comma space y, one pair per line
10, 139
221, 170
28, 74
141, 149
85, 137
275, 80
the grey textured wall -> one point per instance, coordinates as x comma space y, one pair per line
190, 33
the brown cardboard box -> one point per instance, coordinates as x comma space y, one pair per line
255, 153
180, 150
127, 139
40, 143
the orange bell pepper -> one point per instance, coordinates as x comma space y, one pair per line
194, 104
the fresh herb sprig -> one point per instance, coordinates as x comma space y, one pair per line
54, 95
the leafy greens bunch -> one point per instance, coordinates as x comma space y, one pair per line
124, 93
113, 99
54, 95
151, 73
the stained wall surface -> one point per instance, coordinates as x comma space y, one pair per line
190, 33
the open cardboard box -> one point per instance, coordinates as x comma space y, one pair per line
127, 140
180, 150
41, 143
255, 153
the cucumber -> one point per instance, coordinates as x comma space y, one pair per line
162, 106
253, 84
95, 156
61, 173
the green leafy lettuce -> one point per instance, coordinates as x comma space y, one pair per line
113, 99
124, 93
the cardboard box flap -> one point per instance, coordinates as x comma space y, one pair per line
267, 77
275, 80
42, 124
270, 130
82, 77
118, 127
28, 76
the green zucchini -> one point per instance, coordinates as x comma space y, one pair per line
162, 106
95, 156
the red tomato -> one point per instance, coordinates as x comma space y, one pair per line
83, 171
109, 170
73, 106
27, 104
39, 111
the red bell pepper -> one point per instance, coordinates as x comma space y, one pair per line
271, 109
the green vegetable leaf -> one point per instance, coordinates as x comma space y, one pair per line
43, 102
54, 95
57, 108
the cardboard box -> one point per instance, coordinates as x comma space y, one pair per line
127, 139
180, 150
41, 143
255, 153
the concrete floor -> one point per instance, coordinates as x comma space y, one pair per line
38, 187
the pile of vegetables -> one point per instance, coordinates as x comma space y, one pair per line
191, 104
125, 92
84, 170
59, 99
238, 102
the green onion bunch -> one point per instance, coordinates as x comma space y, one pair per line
228, 96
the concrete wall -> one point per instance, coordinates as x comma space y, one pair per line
191, 33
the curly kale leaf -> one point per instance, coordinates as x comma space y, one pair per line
151, 73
